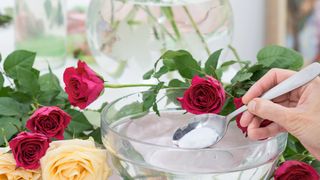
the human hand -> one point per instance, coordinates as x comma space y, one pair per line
297, 112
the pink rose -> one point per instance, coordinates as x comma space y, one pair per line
296, 170
205, 95
238, 103
50, 121
28, 148
83, 85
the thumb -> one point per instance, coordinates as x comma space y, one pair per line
266, 109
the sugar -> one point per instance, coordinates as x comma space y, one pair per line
199, 138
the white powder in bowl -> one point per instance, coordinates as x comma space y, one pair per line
198, 138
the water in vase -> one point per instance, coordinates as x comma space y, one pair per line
150, 154
131, 34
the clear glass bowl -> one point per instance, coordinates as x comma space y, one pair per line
140, 146
130, 34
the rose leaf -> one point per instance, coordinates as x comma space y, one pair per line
8, 128
96, 134
79, 123
186, 65
1, 81
18, 59
241, 76
10, 107
280, 57
27, 81
163, 70
316, 165
212, 62
148, 74
228, 107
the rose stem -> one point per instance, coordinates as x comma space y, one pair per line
159, 24
194, 25
167, 11
235, 53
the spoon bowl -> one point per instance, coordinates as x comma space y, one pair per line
196, 134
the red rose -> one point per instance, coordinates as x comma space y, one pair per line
205, 95
28, 148
83, 85
238, 103
50, 121
296, 170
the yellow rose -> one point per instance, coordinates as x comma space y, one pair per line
8, 170
74, 160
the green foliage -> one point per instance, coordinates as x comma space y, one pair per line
1, 81
9, 126
212, 62
10, 107
18, 59
280, 57
29, 90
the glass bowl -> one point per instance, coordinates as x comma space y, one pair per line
140, 147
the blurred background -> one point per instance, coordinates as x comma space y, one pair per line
121, 39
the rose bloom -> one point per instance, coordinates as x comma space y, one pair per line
9, 171
75, 159
205, 95
291, 170
83, 85
238, 103
50, 121
28, 149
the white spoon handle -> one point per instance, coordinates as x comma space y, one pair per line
297, 80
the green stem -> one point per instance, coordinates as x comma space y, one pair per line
156, 21
127, 85
169, 14
194, 25
236, 55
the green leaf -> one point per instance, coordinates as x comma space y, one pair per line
18, 59
228, 107
148, 74
150, 97
20, 97
49, 81
212, 62
163, 70
184, 62
96, 134
173, 94
1, 81
10, 107
169, 63
28, 81
316, 165
79, 123
280, 57
177, 83
129, 110
8, 128
241, 76
49, 88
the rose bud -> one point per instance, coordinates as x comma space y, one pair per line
83, 85
296, 170
28, 148
50, 121
205, 95
238, 103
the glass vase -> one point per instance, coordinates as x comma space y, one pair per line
129, 35
40, 26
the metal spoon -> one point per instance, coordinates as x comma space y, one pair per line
219, 124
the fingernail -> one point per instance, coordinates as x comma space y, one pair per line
252, 106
